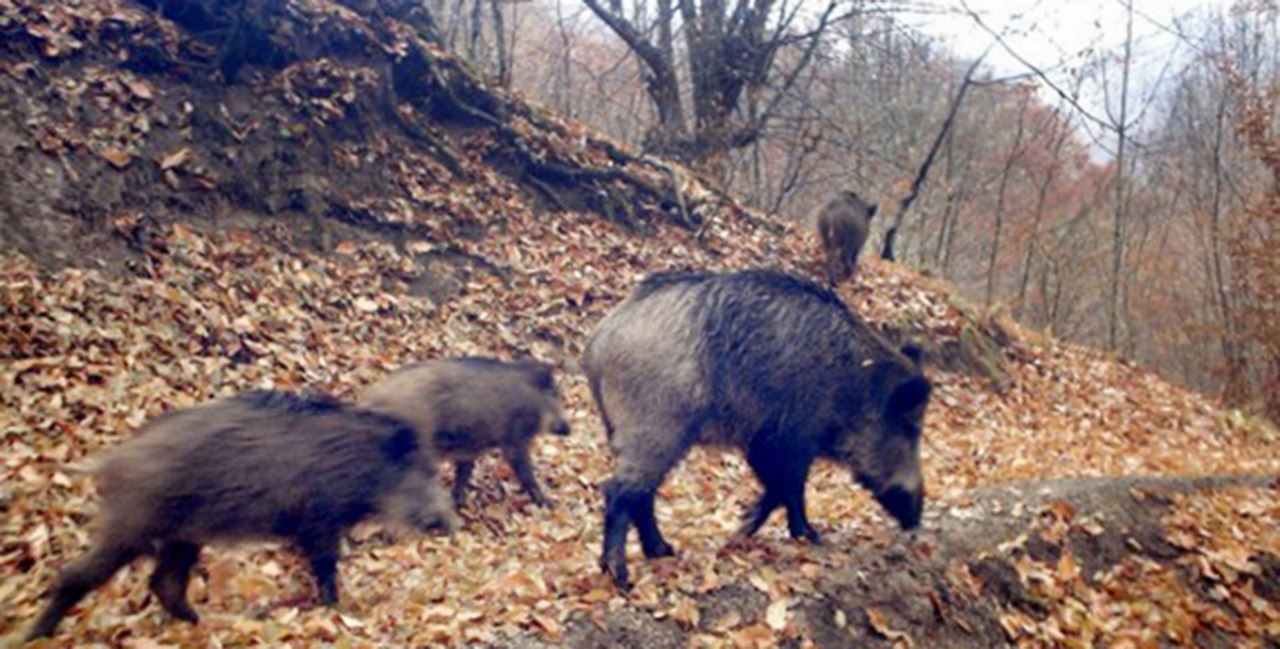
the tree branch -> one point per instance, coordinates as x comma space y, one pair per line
647, 52
923, 172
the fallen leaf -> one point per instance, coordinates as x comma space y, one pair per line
881, 626
549, 626
1067, 569
727, 622
1062, 509
119, 158
140, 88
175, 159
756, 635
776, 615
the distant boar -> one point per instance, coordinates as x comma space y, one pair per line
769, 363
469, 405
843, 225
260, 465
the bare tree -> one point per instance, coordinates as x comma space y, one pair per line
1015, 151
1060, 134
1120, 123
923, 172
730, 49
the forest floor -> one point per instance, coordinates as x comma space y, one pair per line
329, 214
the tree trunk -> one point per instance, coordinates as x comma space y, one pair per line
1032, 241
1015, 150
476, 38
1037, 219
500, 43
1120, 213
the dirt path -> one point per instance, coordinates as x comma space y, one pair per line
951, 584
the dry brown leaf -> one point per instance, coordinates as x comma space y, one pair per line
1068, 571
175, 159
1062, 509
221, 572
776, 615
119, 158
140, 88
549, 627
727, 622
881, 626
756, 635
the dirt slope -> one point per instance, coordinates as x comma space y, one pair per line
352, 199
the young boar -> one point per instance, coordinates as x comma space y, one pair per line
256, 466
466, 406
843, 225
762, 361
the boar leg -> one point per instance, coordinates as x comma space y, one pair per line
759, 513
169, 581
321, 551
519, 460
644, 459
647, 526
619, 507
783, 472
86, 574
461, 478
797, 519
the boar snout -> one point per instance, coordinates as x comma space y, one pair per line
903, 504
561, 428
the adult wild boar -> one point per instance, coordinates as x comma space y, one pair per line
843, 225
771, 364
468, 405
261, 465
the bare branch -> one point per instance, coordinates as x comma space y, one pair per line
923, 172
1036, 70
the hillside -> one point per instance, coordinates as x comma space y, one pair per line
323, 196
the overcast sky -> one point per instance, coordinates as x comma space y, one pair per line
1054, 35
1047, 31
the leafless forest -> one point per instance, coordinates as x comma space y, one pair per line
1143, 222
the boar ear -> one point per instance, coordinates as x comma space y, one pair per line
909, 396
915, 354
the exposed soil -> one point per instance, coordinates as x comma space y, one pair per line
908, 582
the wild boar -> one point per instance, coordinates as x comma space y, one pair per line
261, 465
759, 360
466, 406
843, 225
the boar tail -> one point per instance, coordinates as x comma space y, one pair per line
658, 281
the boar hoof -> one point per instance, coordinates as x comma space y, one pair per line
544, 502
617, 570
809, 534
659, 550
